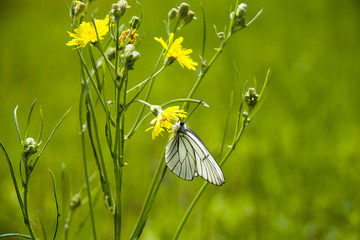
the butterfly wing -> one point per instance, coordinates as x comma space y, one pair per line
187, 156
206, 165
179, 156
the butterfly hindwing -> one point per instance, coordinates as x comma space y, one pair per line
187, 156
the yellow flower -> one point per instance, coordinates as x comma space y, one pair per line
176, 51
125, 34
165, 120
86, 33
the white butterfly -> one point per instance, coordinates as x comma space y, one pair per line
187, 156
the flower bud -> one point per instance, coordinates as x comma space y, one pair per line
189, 17
129, 49
183, 10
77, 8
118, 9
131, 56
134, 22
30, 146
251, 97
172, 13
241, 10
110, 53
221, 35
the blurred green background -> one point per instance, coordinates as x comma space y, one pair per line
295, 173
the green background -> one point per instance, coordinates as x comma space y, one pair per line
295, 173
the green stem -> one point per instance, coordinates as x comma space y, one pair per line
101, 164
149, 198
83, 64
118, 151
26, 210
14, 235
204, 71
82, 131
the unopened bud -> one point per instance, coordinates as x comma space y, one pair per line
221, 35
134, 22
118, 9
129, 49
131, 56
135, 55
110, 53
189, 17
251, 97
30, 146
77, 8
241, 10
172, 13
183, 10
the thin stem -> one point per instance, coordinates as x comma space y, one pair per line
150, 195
83, 64
82, 131
143, 83
131, 132
118, 151
204, 71
101, 164
14, 235
56, 202
26, 210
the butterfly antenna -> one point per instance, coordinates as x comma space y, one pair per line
194, 110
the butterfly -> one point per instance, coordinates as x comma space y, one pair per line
188, 157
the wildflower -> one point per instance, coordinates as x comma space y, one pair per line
165, 119
86, 32
176, 52
125, 34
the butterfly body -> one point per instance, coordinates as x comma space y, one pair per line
187, 156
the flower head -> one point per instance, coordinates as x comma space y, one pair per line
86, 32
165, 119
176, 52
130, 35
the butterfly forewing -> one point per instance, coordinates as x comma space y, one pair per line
187, 156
